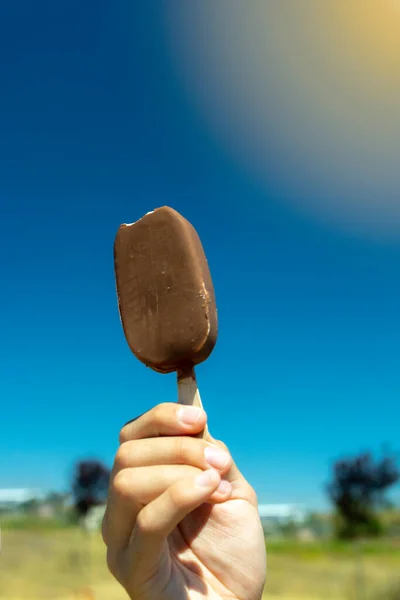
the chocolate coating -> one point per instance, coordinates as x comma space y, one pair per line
165, 293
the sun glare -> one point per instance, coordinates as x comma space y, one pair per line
315, 85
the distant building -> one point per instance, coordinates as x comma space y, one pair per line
15, 497
46, 511
93, 519
282, 513
275, 516
11, 500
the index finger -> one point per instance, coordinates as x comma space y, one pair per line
165, 419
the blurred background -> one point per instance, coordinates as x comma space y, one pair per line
274, 127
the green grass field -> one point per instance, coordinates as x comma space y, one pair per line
54, 564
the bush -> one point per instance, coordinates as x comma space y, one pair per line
358, 490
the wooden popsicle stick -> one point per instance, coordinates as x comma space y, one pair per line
188, 393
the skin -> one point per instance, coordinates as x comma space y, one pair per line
182, 522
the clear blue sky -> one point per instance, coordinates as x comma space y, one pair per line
97, 127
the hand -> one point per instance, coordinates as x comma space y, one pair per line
181, 522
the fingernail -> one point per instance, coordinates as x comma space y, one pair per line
189, 415
216, 457
207, 478
224, 488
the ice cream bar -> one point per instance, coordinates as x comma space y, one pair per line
165, 296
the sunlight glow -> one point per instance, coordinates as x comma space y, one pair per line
303, 95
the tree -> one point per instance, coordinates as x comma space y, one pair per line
30, 507
358, 492
90, 485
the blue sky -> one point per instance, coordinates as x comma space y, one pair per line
97, 127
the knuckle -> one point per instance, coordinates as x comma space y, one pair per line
144, 525
123, 434
178, 495
161, 412
122, 457
128, 429
122, 485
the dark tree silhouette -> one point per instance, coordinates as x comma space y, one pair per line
358, 492
90, 485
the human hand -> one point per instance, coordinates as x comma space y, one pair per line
182, 522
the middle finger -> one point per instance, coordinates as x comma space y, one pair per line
182, 450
